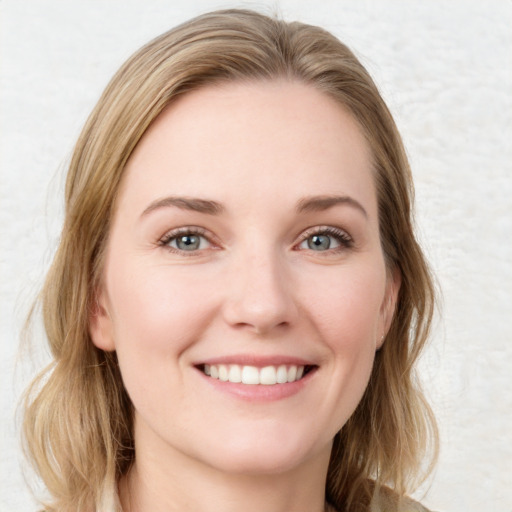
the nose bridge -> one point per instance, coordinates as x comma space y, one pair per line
260, 296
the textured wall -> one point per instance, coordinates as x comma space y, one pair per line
445, 69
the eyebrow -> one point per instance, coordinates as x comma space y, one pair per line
210, 207
186, 203
320, 203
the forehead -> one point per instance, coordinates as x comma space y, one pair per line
251, 137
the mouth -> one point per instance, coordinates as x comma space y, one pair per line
252, 375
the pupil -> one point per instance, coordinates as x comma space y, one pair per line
319, 242
188, 242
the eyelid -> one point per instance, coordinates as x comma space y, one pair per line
186, 230
344, 239
341, 235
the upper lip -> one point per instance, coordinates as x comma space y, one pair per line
257, 360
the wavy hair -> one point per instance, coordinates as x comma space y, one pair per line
78, 421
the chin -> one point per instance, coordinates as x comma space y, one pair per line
259, 464
268, 453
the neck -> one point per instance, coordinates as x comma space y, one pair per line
159, 483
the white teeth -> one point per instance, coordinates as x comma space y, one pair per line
223, 372
292, 373
251, 375
235, 373
282, 375
268, 375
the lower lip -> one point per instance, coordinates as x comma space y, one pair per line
258, 392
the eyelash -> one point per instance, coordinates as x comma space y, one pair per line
344, 240
341, 236
186, 230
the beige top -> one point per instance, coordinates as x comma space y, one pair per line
388, 502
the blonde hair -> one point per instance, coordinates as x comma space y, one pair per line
78, 417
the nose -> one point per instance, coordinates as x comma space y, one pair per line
259, 296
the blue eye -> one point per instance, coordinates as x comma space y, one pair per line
325, 239
319, 242
186, 241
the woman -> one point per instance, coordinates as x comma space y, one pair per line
238, 299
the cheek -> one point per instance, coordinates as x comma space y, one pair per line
157, 315
157, 312
345, 313
347, 308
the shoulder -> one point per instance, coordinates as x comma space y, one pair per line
387, 501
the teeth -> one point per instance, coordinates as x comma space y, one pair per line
235, 373
251, 375
282, 375
268, 375
223, 372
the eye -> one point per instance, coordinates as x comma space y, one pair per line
325, 239
189, 242
186, 240
319, 242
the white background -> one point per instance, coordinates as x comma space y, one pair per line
445, 69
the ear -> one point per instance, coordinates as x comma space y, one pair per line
388, 306
100, 322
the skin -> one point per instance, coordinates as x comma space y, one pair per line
254, 288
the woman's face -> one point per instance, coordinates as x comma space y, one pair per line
244, 253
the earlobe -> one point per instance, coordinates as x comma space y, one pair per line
389, 304
100, 323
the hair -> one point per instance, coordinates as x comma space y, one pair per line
78, 423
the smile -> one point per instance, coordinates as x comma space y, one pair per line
252, 375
